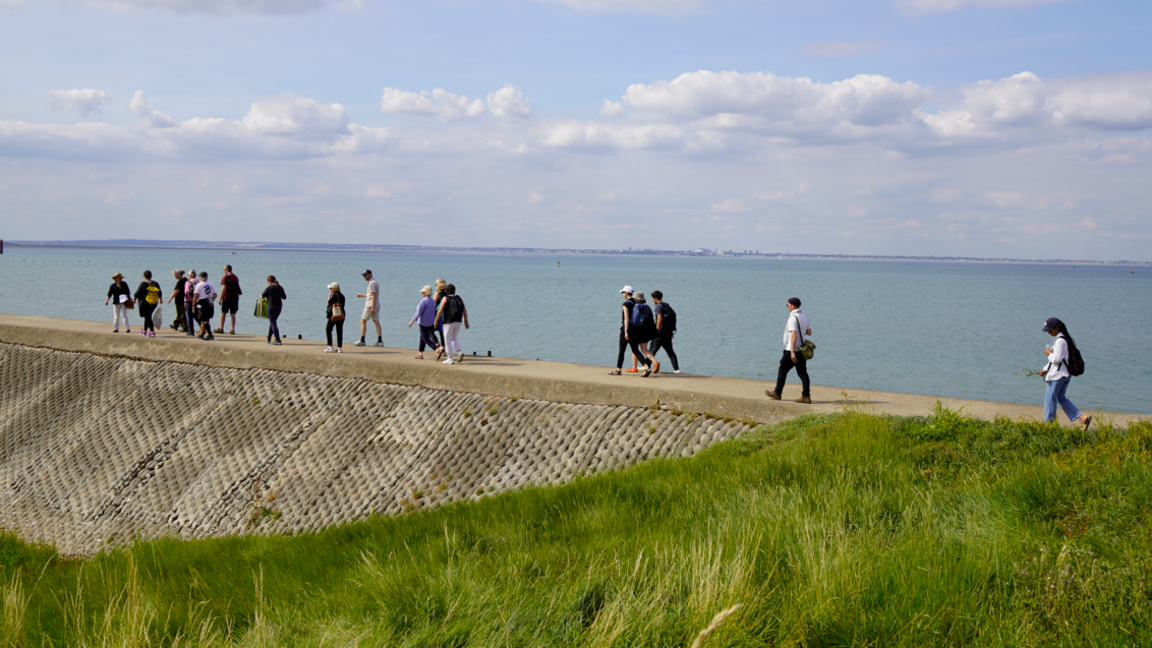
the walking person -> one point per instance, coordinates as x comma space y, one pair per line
229, 298
190, 302
795, 330
181, 321
336, 315
665, 327
1058, 373
121, 295
205, 294
438, 297
371, 297
426, 318
275, 296
148, 296
641, 329
627, 306
453, 313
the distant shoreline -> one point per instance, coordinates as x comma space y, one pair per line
700, 252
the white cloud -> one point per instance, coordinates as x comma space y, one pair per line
82, 102
650, 6
729, 206
779, 105
603, 138
273, 7
144, 111
288, 114
510, 102
935, 6
1101, 102
441, 103
842, 49
612, 108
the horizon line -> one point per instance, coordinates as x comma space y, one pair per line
390, 247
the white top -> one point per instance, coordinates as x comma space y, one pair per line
793, 317
205, 290
1057, 366
372, 300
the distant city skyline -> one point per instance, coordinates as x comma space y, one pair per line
390, 247
961, 128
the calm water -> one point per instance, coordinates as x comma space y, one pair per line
946, 329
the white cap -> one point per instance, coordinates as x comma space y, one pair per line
626, 289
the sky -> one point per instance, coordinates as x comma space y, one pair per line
987, 128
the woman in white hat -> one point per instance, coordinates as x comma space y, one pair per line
335, 318
120, 306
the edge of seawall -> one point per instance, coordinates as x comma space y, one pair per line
738, 398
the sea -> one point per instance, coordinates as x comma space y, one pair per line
951, 329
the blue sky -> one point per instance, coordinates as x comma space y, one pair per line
969, 127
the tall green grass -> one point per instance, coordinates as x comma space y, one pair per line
844, 530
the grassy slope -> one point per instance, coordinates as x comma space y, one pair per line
832, 531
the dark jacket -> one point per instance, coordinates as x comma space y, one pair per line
115, 291
336, 298
142, 292
275, 295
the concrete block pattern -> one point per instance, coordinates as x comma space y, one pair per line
97, 450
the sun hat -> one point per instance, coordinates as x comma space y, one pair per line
626, 290
1051, 323
638, 295
117, 275
426, 290
333, 286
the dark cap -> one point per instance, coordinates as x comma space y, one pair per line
795, 301
1051, 323
365, 273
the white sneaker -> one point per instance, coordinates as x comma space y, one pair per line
459, 356
675, 371
449, 361
339, 350
328, 350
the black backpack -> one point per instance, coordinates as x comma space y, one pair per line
454, 309
669, 318
1075, 361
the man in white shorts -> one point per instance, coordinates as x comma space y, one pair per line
371, 309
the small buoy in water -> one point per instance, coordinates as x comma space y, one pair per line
557, 264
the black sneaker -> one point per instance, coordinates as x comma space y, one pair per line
277, 343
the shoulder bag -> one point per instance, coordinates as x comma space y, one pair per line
807, 347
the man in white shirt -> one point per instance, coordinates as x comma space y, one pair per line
795, 330
205, 294
371, 309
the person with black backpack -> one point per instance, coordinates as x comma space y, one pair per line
641, 328
665, 327
1064, 361
453, 313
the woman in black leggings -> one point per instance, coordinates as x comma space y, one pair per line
335, 298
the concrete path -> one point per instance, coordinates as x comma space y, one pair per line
739, 398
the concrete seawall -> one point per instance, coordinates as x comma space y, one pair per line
95, 450
105, 436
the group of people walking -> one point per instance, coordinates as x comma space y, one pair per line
441, 314
194, 297
642, 326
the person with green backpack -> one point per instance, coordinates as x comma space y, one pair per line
148, 295
797, 350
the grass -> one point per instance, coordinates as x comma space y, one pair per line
843, 530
